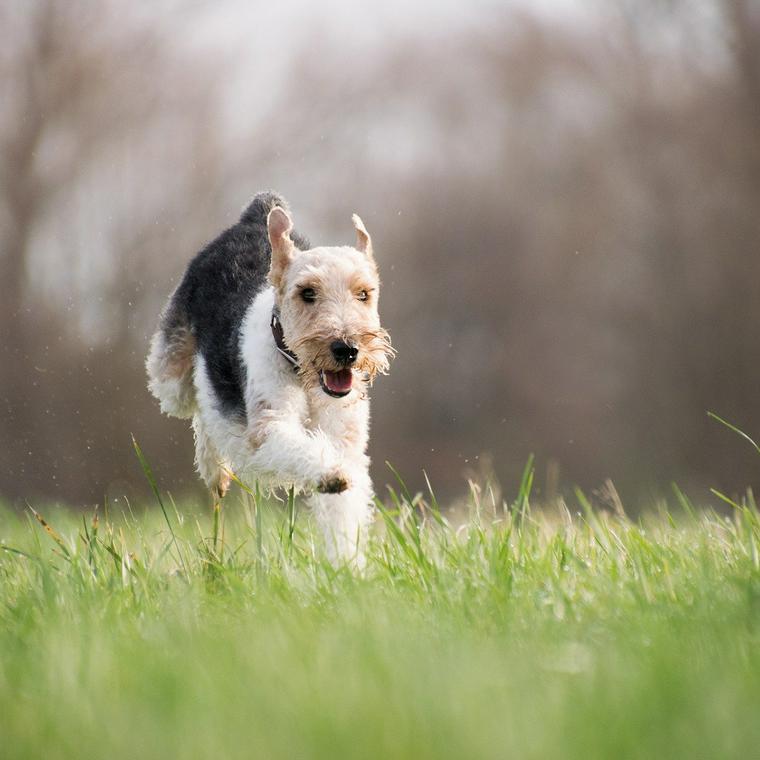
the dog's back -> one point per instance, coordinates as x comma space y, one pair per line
205, 312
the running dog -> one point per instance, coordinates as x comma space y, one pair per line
270, 346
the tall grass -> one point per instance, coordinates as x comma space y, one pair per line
567, 632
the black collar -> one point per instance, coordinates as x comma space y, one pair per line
279, 339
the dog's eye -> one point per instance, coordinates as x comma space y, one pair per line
309, 295
362, 295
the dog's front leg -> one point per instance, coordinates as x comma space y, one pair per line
344, 518
283, 449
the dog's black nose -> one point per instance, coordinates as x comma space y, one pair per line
344, 353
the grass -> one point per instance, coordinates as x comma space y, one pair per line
525, 634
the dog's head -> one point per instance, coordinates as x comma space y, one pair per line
327, 299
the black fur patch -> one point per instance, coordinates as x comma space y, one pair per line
216, 291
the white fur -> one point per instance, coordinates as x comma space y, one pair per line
294, 436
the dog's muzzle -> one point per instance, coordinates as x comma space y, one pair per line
338, 383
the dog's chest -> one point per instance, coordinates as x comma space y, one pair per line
345, 422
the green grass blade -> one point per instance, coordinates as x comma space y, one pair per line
735, 429
154, 487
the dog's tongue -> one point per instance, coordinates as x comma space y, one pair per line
338, 382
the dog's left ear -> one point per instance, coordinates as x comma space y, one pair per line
363, 240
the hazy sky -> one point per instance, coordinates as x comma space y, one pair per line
272, 30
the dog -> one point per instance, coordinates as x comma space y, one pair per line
270, 346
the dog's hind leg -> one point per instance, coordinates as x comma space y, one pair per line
212, 469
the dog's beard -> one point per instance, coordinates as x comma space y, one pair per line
318, 367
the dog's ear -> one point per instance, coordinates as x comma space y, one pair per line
363, 240
279, 226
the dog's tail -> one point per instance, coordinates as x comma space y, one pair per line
257, 211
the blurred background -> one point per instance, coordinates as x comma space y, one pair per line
564, 200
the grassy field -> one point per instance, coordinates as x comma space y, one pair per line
564, 633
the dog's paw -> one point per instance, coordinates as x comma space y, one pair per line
335, 482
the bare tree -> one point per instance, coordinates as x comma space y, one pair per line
91, 93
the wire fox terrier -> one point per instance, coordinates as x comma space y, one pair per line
269, 346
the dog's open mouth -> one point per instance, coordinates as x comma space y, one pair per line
336, 384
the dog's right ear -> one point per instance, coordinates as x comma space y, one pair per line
279, 226
363, 240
